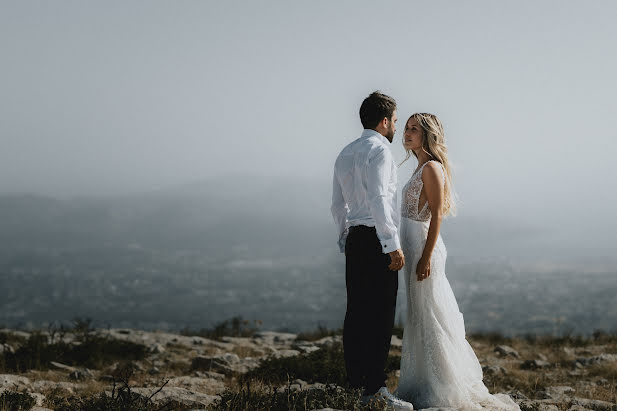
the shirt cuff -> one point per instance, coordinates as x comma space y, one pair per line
390, 245
342, 240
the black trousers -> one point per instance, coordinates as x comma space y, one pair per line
371, 305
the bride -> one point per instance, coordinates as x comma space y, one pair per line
438, 366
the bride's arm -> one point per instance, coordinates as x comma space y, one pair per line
434, 187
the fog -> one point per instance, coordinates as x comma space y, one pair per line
113, 98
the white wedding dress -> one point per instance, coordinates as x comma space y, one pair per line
438, 366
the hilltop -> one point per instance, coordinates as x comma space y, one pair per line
236, 366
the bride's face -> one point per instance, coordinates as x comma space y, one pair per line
412, 136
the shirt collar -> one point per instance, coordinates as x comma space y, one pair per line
370, 133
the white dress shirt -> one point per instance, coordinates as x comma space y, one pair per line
364, 190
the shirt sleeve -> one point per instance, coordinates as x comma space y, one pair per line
339, 211
381, 199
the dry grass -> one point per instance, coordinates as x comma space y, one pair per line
50, 375
607, 371
244, 351
594, 382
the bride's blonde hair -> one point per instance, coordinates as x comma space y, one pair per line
434, 144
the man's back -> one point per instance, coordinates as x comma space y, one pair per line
364, 189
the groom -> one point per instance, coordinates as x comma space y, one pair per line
365, 212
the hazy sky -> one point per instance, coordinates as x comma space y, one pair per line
115, 96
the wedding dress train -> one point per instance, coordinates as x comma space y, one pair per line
438, 366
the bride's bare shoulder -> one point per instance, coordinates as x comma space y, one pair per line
432, 172
433, 165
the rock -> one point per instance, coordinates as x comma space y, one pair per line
153, 371
556, 392
137, 366
535, 364
38, 397
296, 385
329, 341
320, 386
14, 382
44, 385
396, 342
274, 338
304, 346
210, 374
6, 348
577, 408
299, 381
149, 338
197, 384
537, 405
81, 375
238, 340
597, 359
585, 385
299, 384
494, 370
284, 353
62, 366
596, 405
226, 364
505, 351
156, 348
541, 357
17, 333
517, 395
292, 388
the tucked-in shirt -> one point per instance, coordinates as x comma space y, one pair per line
364, 190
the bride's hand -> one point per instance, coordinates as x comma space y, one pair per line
423, 269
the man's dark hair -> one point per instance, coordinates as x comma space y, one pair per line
375, 107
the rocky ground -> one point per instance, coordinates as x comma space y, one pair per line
540, 374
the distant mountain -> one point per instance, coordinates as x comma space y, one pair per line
271, 216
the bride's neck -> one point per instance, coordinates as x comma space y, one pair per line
423, 157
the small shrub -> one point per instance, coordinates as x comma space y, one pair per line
10, 338
604, 337
318, 334
16, 401
93, 351
393, 363
398, 331
234, 327
607, 370
121, 399
326, 365
553, 341
492, 338
330, 397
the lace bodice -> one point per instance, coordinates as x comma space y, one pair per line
411, 196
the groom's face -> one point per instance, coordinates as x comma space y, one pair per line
391, 127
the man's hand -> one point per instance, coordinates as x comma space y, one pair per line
398, 260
